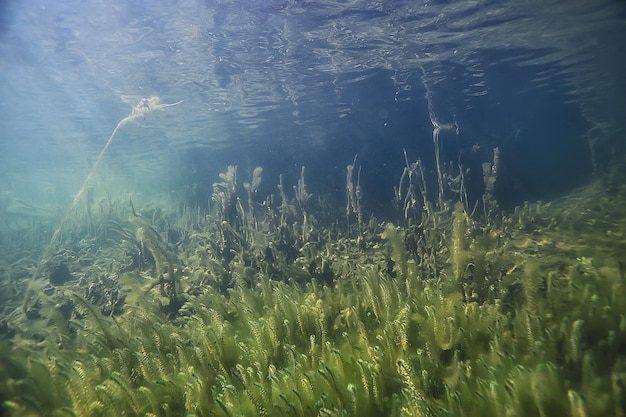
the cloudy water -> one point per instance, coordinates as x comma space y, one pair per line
289, 83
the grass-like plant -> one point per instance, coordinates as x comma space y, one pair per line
270, 323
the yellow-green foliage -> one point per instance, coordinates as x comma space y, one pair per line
373, 342
459, 245
398, 250
531, 285
163, 259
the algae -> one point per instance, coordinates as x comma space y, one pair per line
287, 310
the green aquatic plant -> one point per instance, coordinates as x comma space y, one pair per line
167, 275
515, 326
490, 176
252, 188
459, 244
399, 254
354, 195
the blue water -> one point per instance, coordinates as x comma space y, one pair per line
282, 84
397, 270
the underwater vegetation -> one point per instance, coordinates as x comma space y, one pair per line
279, 305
